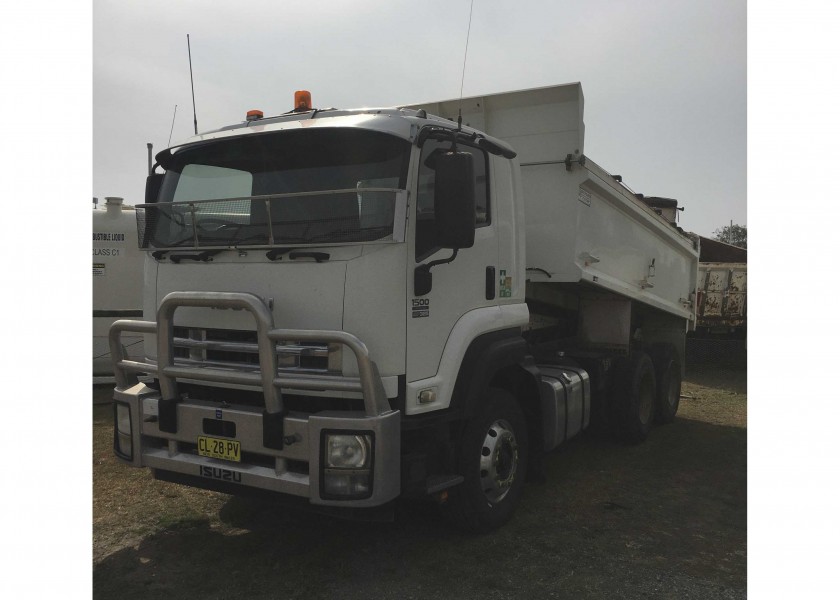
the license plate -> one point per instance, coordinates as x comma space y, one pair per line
219, 448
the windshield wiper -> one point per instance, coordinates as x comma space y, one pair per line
275, 253
205, 256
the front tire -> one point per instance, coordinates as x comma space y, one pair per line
493, 458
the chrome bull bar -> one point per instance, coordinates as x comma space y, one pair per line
369, 383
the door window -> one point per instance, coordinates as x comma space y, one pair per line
425, 230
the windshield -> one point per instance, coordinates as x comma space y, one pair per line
294, 187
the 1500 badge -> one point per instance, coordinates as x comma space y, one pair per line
221, 474
419, 307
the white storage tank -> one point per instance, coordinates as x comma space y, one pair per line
117, 281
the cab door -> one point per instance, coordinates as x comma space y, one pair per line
466, 283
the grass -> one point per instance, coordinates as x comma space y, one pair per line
666, 518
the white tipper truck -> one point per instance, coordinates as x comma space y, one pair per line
349, 306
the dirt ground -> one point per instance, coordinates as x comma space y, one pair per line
665, 519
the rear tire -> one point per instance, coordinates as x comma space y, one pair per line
633, 403
493, 460
666, 361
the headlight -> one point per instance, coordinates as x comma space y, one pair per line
347, 465
347, 451
122, 431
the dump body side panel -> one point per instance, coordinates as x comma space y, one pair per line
580, 223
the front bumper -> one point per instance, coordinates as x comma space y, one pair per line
280, 451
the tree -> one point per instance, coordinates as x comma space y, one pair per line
732, 234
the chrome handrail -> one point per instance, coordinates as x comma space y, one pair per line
193, 208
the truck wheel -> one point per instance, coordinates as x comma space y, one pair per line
493, 457
634, 398
666, 361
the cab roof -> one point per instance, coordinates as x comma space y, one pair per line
401, 122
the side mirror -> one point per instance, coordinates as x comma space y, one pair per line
153, 183
422, 280
454, 200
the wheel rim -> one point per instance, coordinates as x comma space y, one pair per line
499, 461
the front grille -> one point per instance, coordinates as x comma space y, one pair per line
234, 348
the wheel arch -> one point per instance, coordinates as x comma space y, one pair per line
501, 360
494, 358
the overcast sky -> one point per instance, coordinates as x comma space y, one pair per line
664, 81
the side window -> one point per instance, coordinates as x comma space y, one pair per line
425, 231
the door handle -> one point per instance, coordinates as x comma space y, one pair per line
490, 283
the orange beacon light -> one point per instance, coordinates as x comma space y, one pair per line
303, 101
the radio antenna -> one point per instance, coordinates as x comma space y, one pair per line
464, 69
173, 127
192, 86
